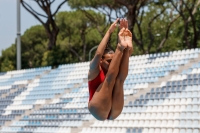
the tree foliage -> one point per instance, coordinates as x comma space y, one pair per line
50, 25
79, 34
33, 44
157, 26
189, 28
8, 59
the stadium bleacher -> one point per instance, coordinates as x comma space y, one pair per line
161, 95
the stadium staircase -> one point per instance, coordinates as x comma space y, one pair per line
64, 107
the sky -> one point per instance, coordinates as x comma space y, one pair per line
8, 20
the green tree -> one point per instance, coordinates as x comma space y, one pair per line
106, 7
189, 27
154, 27
79, 34
7, 65
34, 44
138, 14
8, 59
46, 18
55, 57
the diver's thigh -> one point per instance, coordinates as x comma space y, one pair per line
99, 106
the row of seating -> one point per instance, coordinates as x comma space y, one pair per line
139, 130
29, 70
37, 130
184, 115
54, 117
48, 123
162, 108
162, 123
61, 111
172, 95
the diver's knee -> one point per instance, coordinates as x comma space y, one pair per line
98, 114
101, 116
114, 115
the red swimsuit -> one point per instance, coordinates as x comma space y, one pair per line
94, 84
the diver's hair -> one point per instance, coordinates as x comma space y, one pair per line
108, 50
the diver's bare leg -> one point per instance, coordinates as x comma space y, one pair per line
118, 92
100, 104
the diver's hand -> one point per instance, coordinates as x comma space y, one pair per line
123, 24
113, 26
122, 43
128, 39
